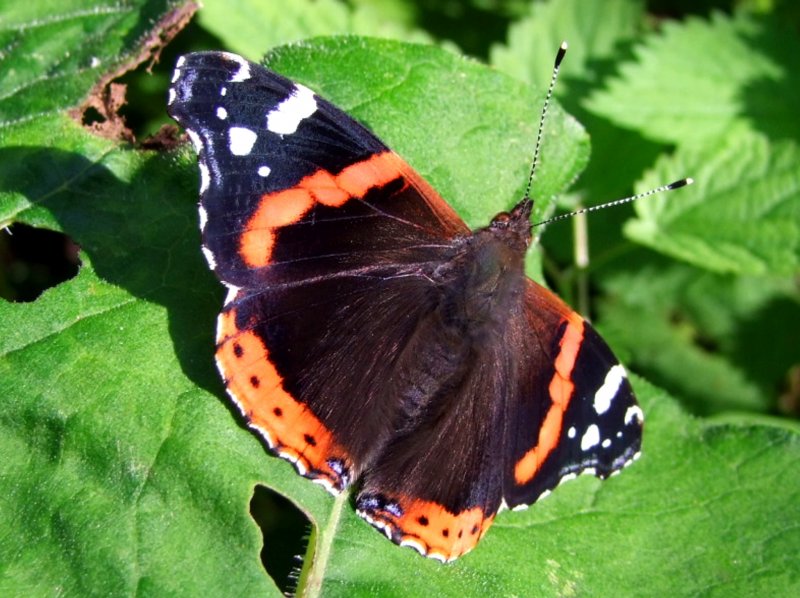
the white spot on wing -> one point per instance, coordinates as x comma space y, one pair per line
413, 544
241, 140
567, 478
634, 412
233, 290
264, 170
223, 91
266, 436
222, 114
203, 217
606, 393
590, 438
571, 432
326, 483
243, 73
176, 74
205, 178
287, 116
298, 462
172, 96
181, 61
212, 263
606, 443
195, 138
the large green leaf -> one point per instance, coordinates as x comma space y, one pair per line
699, 78
742, 215
702, 329
250, 27
123, 468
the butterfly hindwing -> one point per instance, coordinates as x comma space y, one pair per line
574, 408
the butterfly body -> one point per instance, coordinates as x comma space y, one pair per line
370, 337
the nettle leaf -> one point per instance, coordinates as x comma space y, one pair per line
251, 27
593, 31
741, 216
697, 78
53, 54
123, 468
702, 329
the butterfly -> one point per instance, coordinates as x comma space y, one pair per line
370, 337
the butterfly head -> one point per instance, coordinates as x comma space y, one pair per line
514, 227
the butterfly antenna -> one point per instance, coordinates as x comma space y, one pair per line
619, 202
562, 50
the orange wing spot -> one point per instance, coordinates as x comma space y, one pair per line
446, 535
376, 171
289, 426
274, 211
560, 389
289, 206
255, 247
325, 189
434, 531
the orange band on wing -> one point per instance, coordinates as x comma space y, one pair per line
445, 534
290, 205
287, 425
431, 529
560, 389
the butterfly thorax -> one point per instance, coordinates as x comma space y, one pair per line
478, 292
484, 281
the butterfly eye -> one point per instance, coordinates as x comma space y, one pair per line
501, 220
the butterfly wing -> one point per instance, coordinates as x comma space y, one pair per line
543, 401
325, 240
574, 409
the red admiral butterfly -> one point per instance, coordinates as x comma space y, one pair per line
370, 337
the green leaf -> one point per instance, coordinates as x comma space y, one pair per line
124, 469
53, 53
116, 465
704, 333
741, 216
251, 27
698, 78
594, 30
